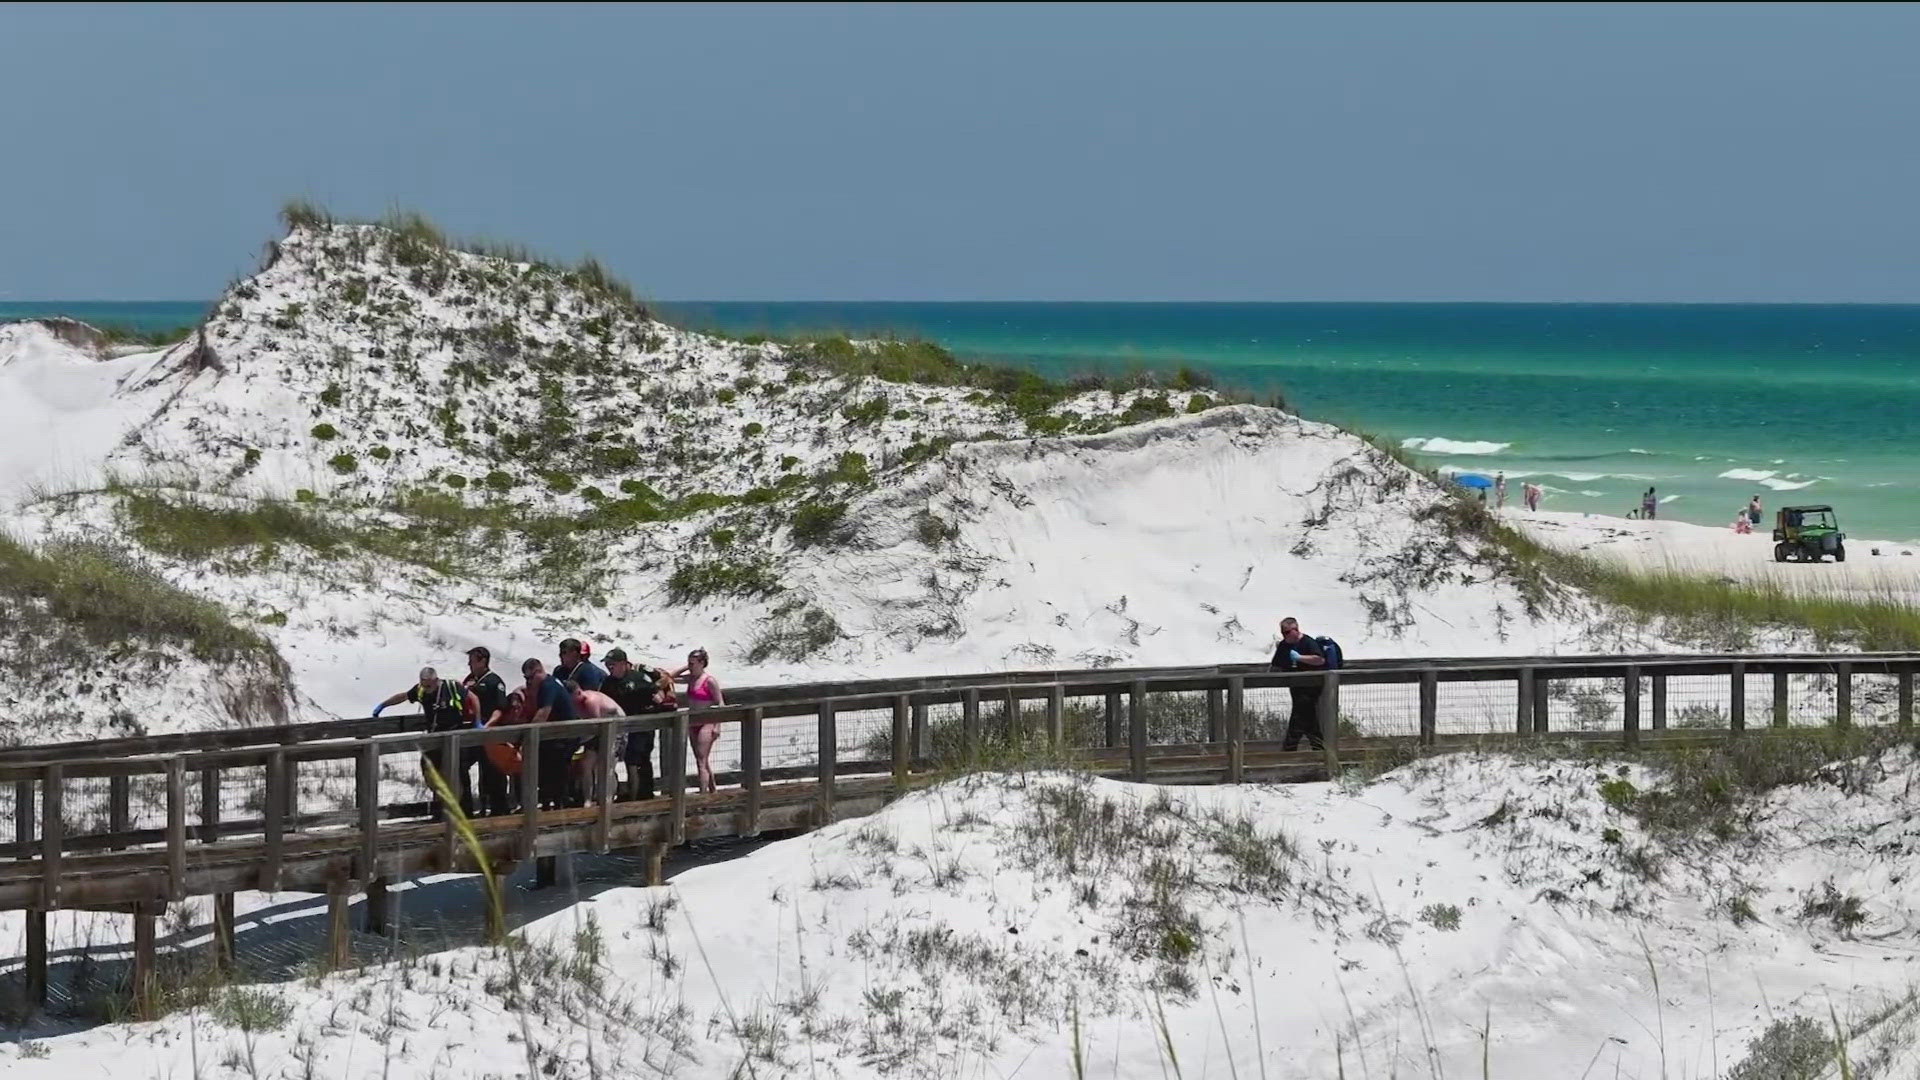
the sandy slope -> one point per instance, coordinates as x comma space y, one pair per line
1284, 932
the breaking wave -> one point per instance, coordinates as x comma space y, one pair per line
1437, 445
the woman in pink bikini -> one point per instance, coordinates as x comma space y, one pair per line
703, 692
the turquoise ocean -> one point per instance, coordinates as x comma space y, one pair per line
1709, 404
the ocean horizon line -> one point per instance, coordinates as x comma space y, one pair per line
9, 301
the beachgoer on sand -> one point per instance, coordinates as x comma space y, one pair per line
448, 706
1753, 510
1531, 492
1649, 505
1298, 652
1500, 490
703, 692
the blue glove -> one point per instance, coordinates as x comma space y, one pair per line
1292, 654
377, 708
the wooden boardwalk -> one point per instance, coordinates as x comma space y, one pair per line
173, 841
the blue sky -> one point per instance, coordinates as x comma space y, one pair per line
1432, 152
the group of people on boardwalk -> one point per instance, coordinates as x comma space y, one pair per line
567, 770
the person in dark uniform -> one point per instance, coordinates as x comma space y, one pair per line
490, 690
1298, 652
448, 706
639, 690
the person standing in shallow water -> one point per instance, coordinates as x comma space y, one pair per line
1500, 490
703, 692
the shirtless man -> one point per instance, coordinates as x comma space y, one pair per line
592, 704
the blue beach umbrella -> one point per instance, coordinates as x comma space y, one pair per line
1472, 480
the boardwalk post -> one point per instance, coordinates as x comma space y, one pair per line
829, 747
223, 943
176, 828
1236, 729
603, 823
1737, 700
144, 915
339, 930
922, 738
1113, 719
1330, 721
677, 782
274, 825
1429, 706
366, 797
970, 724
379, 905
1905, 696
750, 769
209, 805
1216, 716
1542, 708
119, 806
36, 959
1523, 707
1137, 730
1016, 719
1780, 717
1843, 694
52, 784
458, 784
530, 792
23, 813
290, 794
1659, 702
1057, 716
1630, 706
897, 737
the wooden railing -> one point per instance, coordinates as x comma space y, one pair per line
159, 832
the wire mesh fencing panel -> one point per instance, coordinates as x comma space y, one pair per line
786, 742
1475, 707
1693, 702
1876, 700
1811, 699
1373, 710
1586, 705
864, 734
1083, 718
1270, 710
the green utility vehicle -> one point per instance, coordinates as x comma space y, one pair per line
1808, 534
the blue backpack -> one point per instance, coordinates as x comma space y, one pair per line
1331, 650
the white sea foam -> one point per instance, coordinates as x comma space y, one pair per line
1582, 477
1748, 474
1789, 485
1437, 445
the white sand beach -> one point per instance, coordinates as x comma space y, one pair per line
1876, 568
